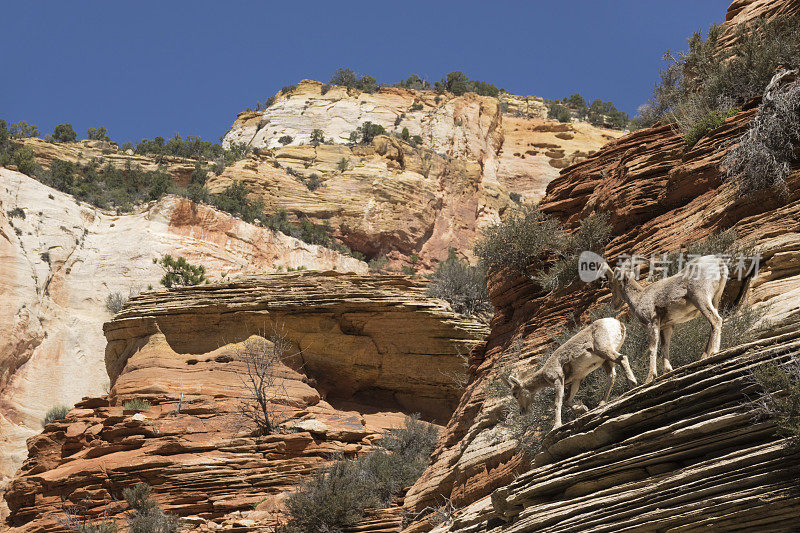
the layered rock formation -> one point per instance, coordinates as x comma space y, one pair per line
364, 350
59, 261
393, 197
660, 195
743, 11
688, 454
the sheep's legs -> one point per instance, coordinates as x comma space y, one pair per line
559, 386
708, 310
611, 374
666, 337
626, 366
573, 390
652, 338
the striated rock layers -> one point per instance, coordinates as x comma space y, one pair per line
394, 196
660, 196
687, 454
363, 350
59, 261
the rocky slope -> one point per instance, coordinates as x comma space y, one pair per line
392, 197
660, 195
743, 11
688, 454
59, 261
364, 350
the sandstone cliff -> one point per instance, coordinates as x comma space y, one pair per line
364, 350
392, 197
59, 261
660, 195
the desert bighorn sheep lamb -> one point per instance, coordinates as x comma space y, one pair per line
695, 290
594, 346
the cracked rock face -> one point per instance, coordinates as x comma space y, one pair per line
392, 197
59, 261
364, 351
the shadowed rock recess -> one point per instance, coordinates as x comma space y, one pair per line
365, 351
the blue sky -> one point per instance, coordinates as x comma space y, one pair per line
151, 68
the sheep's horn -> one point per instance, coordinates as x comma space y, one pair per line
512, 380
606, 270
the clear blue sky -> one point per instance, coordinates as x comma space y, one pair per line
151, 68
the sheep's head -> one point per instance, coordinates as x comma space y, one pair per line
523, 394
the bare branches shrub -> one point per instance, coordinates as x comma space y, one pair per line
264, 387
779, 399
763, 157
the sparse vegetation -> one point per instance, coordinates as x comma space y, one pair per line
146, 516
707, 124
137, 404
347, 78
779, 398
22, 130
460, 284
337, 496
59, 412
709, 78
558, 112
378, 264
764, 156
115, 301
317, 137
17, 212
98, 134
524, 234
458, 83
285, 139
180, 273
343, 164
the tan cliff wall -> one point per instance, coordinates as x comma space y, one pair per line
62, 260
395, 198
660, 195
364, 351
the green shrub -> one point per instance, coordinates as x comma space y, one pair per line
378, 264
558, 112
348, 78
288, 89
285, 139
17, 212
180, 273
416, 106
317, 137
58, 412
22, 130
337, 496
137, 404
524, 234
415, 82
62, 175
458, 83
707, 124
765, 155
405, 135
369, 131
234, 200
343, 164
98, 134
22, 157
460, 284
416, 140
592, 235
605, 114
64, 133
146, 516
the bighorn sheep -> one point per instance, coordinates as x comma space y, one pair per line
592, 347
695, 290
